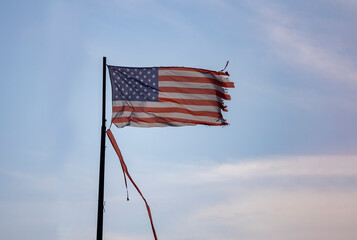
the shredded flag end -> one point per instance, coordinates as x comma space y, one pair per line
225, 123
228, 97
227, 73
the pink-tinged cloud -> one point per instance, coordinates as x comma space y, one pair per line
274, 166
278, 215
230, 200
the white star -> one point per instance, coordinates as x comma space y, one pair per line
149, 80
149, 72
153, 76
153, 98
140, 72
136, 70
127, 69
144, 76
116, 88
137, 76
137, 97
149, 94
154, 84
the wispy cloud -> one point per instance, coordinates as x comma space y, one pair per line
347, 3
283, 166
297, 48
270, 214
244, 198
218, 200
278, 166
306, 49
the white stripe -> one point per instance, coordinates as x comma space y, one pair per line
166, 105
192, 74
167, 115
190, 96
142, 124
191, 85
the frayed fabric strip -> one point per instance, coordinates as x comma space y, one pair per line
126, 173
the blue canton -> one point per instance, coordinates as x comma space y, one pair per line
134, 84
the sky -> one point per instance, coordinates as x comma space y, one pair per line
285, 167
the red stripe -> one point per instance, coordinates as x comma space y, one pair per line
125, 171
167, 110
161, 120
194, 70
195, 91
169, 78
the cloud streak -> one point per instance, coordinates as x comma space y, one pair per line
271, 214
295, 47
283, 166
230, 200
278, 166
308, 50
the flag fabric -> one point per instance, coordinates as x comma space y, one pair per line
126, 173
168, 96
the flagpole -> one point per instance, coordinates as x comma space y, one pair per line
102, 162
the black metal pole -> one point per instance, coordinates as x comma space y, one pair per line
102, 163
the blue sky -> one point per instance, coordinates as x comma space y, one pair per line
286, 167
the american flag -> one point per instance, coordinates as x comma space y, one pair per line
168, 96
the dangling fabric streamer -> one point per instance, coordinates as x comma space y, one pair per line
126, 173
225, 67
